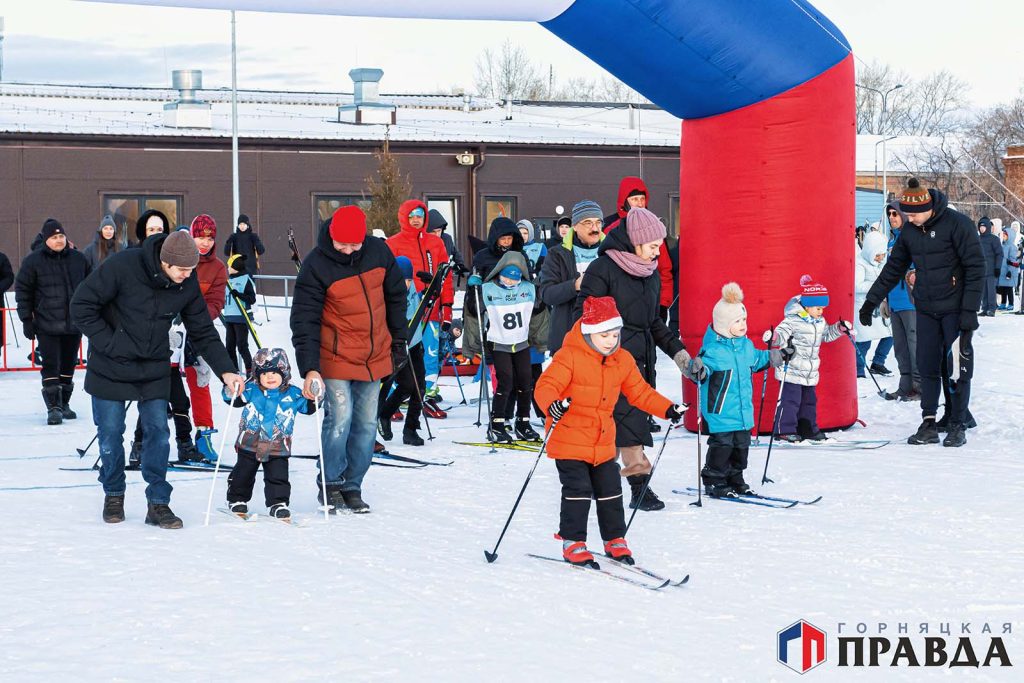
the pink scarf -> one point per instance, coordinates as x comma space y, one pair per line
633, 264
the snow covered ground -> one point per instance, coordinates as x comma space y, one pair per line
903, 535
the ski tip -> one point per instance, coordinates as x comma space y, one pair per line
683, 581
491, 557
790, 505
812, 502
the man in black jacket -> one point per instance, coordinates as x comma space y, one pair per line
126, 308
246, 242
943, 245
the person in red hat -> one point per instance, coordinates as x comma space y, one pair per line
213, 280
348, 330
578, 392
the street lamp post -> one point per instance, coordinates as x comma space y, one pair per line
881, 122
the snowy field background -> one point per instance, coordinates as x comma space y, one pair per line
904, 534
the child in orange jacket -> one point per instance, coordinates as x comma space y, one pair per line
591, 370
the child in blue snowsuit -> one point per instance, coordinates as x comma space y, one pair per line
270, 405
727, 395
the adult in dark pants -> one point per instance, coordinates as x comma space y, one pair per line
992, 250
903, 319
46, 281
627, 270
126, 308
246, 242
944, 246
6, 280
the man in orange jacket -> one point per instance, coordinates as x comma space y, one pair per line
590, 371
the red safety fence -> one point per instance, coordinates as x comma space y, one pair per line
5, 352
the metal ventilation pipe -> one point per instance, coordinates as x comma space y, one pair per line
186, 82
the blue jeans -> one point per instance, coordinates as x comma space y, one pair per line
349, 430
109, 419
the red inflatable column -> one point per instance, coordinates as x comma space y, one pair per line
767, 195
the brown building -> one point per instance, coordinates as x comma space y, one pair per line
77, 153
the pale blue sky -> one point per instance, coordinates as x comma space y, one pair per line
82, 42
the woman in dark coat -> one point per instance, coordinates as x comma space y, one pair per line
626, 269
104, 245
46, 281
245, 242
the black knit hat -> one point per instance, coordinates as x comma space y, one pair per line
242, 218
51, 227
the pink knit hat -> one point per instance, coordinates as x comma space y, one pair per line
643, 227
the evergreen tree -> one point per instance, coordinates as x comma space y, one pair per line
388, 189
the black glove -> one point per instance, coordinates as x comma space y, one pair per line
968, 320
446, 326
424, 277
866, 313
558, 408
788, 352
29, 328
675, 413
399, 355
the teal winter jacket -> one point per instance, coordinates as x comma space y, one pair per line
727, 395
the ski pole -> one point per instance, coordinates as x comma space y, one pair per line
493, 555
419, 394
220, 455
83, 451
485, 376
317, 390
881, 391
775, 424
767, 339
700, 456
654, 466
449, 351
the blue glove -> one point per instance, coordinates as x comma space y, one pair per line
474, 281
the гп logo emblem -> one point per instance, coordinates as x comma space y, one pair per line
801, 646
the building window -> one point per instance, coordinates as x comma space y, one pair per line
673, 215
448, 207
498, 206
324, 206
126, 209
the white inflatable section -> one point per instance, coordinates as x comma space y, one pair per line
520, 10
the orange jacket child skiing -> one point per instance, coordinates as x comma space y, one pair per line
579, 390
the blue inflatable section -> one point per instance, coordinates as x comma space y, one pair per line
698, 58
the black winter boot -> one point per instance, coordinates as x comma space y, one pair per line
956, 437
525, 431
159, 514
52, 399
384, 428
334, 497
411, 438
187, 451
650, 501
498, 431
66, 389
354, 501
135, 456
943, 423
113, 509
927, 433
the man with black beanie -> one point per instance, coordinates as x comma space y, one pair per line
943, 245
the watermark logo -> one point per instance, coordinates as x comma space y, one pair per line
801, 646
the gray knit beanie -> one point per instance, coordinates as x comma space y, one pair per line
586, 209
179, 249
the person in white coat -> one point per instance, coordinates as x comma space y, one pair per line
868, 266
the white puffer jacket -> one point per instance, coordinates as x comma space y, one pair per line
866, 271
807, 334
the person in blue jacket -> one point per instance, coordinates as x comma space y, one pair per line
903, 319
727, 395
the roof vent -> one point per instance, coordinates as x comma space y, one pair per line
366, 106
188, 111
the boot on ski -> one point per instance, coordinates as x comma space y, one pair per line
619, 551
384, 429
498, 431
204, 444
432, 409
575, 552
650, 501
135, 456
525, 431
789, 438
159, 514
187, 451
280, 511
354, 502
240, 508
335, 501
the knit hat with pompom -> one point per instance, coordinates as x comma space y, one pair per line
813, 294
728, 310
915, 199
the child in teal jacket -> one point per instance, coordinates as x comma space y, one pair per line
727, 395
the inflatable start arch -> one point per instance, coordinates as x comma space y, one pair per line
766, 91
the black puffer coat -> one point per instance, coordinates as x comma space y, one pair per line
643, 329
248, 244
125, 308
946, 253
45, 284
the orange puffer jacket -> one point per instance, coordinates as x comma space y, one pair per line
593, 382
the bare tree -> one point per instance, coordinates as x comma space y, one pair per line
508, 72
933, 105
875, 79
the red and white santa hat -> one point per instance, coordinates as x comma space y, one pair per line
600, 314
